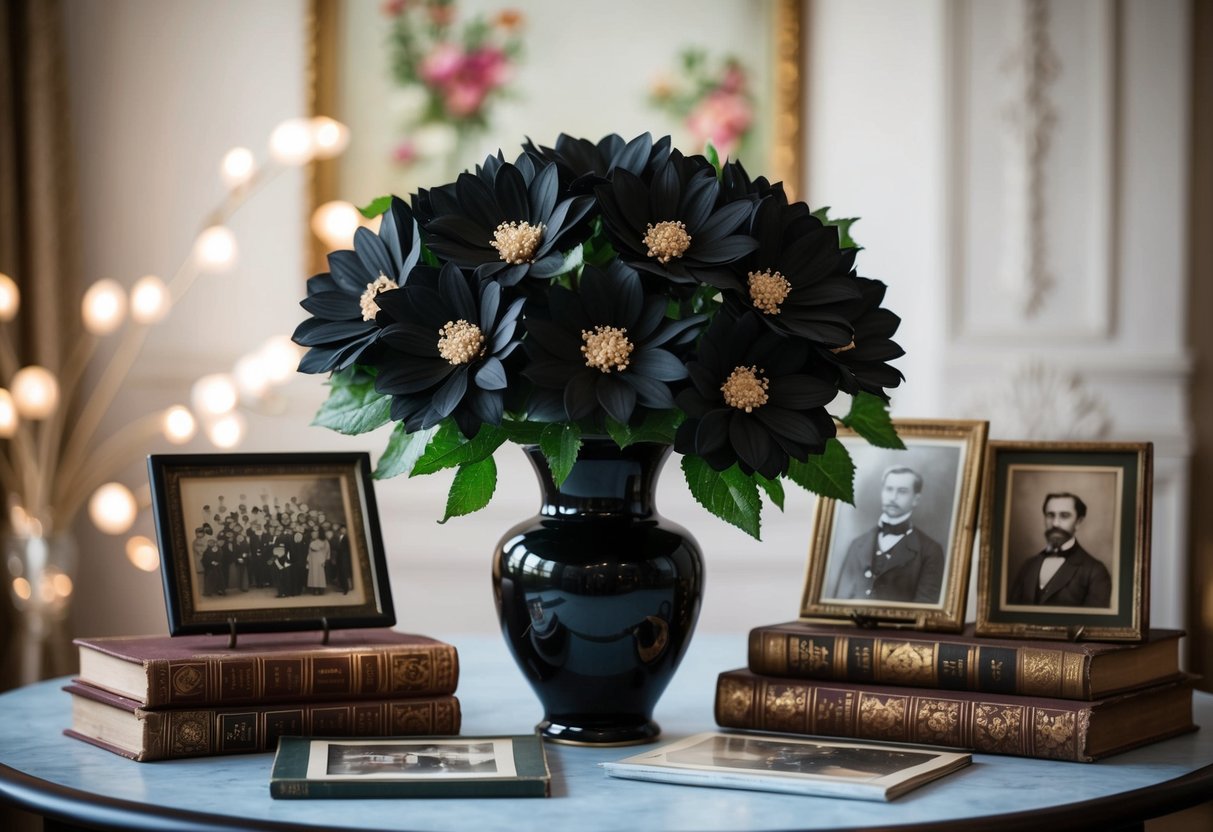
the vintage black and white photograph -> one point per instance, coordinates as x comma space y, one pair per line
1067, 548
800, 766
399, 759
268, 541
901, 552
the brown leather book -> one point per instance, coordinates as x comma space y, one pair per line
1063, 670
1023, 726
159, 672
120, 725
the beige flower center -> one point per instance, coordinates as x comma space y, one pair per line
516, 241
381, 284
607, 348
667, 240
460, 342
745, 389
768, 290
849, 346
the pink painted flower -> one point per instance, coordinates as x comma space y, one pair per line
723, 119
462, 99
442, 64
488, 66
395, 8
405, 153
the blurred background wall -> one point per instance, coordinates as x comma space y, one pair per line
1022, 174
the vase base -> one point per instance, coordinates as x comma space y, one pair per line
599, 736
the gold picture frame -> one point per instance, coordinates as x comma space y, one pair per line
921, 578
236, 535
1079, 496
782, 56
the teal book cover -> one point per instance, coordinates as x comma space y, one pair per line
409, 767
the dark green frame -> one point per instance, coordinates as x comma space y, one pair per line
1131, 623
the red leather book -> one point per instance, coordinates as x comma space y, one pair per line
1023, 726
961, 661
163, 672
120, 725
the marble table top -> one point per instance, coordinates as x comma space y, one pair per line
54, 774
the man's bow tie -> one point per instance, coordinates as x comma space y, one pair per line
895, 528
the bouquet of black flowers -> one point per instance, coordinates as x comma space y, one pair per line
618, 289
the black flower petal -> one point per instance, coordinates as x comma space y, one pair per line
598, 347
443, 354
755, 399
338, 333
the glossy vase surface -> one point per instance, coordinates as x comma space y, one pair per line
598, 595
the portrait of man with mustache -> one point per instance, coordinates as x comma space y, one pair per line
1063, 574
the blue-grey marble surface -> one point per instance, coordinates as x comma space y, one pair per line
497, 700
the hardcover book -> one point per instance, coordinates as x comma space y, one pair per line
1062, 670
158, 671
120, 725
499, 766
794, 766
1057, 729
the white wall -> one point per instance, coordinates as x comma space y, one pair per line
161, 90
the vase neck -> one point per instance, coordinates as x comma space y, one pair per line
605, 480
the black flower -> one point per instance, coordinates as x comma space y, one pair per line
753, 400
583, 165
863, 363
445, 349
799, 280
344, 300
673, 226
606, 346
505, 221
735, 184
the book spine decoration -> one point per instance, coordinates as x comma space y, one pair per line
196, 733
409, 671
1020, 729
951, 665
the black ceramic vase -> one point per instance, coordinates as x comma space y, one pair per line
598, 595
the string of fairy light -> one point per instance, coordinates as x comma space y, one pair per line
51, 469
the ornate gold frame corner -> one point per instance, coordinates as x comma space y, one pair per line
949, 617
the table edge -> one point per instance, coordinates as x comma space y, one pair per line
66, 803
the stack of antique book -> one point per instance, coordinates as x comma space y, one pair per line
156, 698
1075, 701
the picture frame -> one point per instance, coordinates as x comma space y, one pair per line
915, 572
791, 765
269, 542
350, 71
411, 767
1090, 500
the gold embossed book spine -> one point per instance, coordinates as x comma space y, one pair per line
1029, 668
195, 671
114, 722
1055, 729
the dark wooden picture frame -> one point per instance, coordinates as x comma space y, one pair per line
1097, 582
942, 466
280, 580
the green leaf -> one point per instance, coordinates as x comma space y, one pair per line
402, 452
449, 448
843, 224
573, 259
378, 206
869, 417
713, 156
831, 474
523, 433
353, 405
656, 426
730, 495
773, 488
560, 444
471, 489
